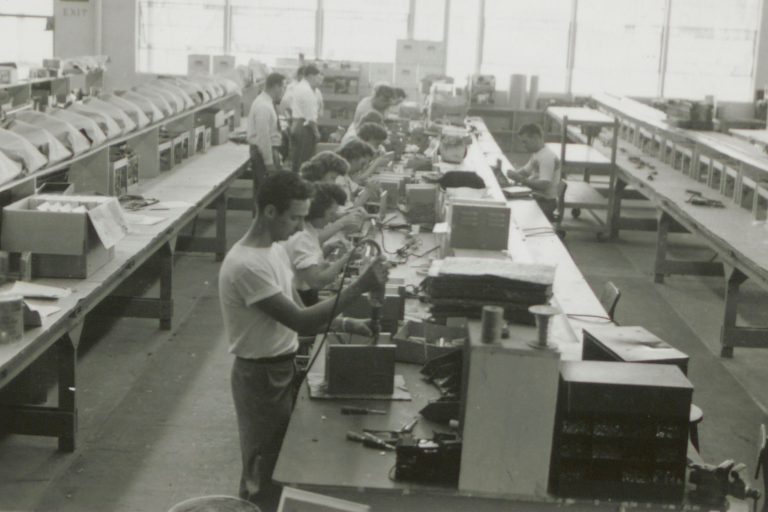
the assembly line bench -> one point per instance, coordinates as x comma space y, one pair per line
202, 183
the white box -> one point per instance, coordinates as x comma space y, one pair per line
407, 76
432, 53
407, 52
223, 64
198, 64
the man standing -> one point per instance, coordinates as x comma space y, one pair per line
262, 316
542, 173
305, 111
264, 134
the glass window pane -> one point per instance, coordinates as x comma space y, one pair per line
461, 44
26, 42
428, 19
169, 30
363, 30
29, 7
711, 49
529, 38
618, 46
270, 29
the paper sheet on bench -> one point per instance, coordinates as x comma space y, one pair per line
38, 291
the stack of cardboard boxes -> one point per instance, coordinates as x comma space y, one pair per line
416, 60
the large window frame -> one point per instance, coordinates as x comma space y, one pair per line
479, 40
24, 48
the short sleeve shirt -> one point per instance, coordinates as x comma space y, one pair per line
304, 251
545, 165
247, 276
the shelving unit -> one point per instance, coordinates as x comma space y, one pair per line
584, 159
341, 90
92, 170
23, 94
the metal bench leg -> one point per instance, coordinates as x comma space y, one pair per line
661, 246
67, 391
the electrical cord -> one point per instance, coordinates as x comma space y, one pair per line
585, 315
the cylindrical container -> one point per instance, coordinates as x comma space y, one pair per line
533, 92
543, 314
492, 321
11, 318
517, 92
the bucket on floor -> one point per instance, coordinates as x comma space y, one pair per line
216, 503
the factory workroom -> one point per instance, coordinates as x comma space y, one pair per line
482, 255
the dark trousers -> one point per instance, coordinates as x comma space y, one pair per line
548, 206
303, 144
263, 396
258, 167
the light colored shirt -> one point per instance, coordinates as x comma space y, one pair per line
545, 165
247, 276
350, 134
286, 103
363, 107
349, 186
263, 128
304, 102
304, 251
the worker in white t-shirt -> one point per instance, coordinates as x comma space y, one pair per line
542, 173
262, 314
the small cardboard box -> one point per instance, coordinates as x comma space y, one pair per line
8, 75
422, 203
407, 51
418, 342
211, 117
355, 367
465, 215
64, 244
198, 64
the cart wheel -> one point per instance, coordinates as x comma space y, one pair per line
576, 213
600, 236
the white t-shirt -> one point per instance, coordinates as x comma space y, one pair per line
304, 251
247, 276
545, 165
304, 102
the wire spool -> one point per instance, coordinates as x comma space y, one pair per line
11, 318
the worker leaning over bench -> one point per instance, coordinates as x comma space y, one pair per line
542, 173
382, 99
264, 133
262, 314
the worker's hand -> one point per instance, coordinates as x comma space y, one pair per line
334, 250
518, 176
382, 160
357, 326
353, 222
375, 275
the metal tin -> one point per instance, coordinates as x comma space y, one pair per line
11, 318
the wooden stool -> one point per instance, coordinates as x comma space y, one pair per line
215, 504
695, 417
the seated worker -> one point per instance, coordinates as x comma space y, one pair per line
374, 134
399, 96
326, 167
262, 314
379, 102
374, 116
355, 182
542, 173
306, 252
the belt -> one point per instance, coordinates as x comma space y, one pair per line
271, 360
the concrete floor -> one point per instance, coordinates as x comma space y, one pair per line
157, 423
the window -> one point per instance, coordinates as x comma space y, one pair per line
24, 34
170, 30
461, 46
272, 29
530, 38
712, 48
429, 20
363, 30
618, 46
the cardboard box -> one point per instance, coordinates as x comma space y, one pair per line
223, 64
220, 135
198, 64
380, 72
464, 217
432, 53
407, 52
407, 76
56, 187
64, 244
8, 75
212, 117
422, 203
418, 342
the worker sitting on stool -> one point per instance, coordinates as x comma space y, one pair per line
542, 173
262, 314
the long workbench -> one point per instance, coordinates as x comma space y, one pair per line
731, 231
315, 454
200, 183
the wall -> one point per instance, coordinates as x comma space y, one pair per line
74, 28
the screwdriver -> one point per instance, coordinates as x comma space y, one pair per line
369, 440
348, 409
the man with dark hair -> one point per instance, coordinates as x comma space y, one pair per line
325, 166
261, 317
373, 133
305, 112
380, 101
373, 116
542, 173
264, 135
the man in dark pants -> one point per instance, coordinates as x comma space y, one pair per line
542, 173
264, 135
262, 315
305, 110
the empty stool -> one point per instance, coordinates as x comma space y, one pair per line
215, 504
695, 417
